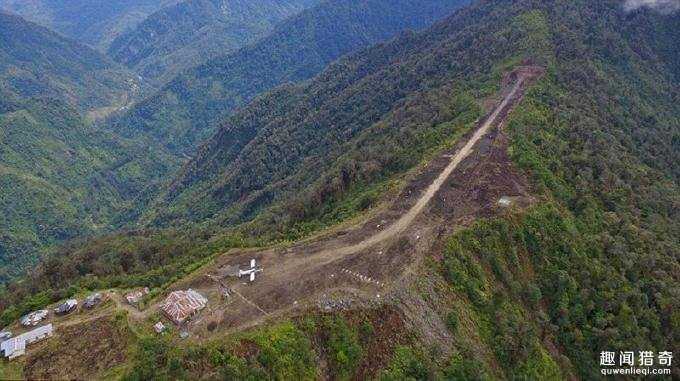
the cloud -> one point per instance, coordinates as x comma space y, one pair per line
664, 6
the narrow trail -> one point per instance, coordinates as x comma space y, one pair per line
251, 303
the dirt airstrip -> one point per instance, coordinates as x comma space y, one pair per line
365, 262
368, 263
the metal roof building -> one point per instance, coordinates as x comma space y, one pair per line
159, 327
16, 346
66, 307
34, 318
92, 300
181, 305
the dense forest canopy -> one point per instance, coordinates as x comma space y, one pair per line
95, 23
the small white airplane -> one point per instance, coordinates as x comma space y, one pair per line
251, 271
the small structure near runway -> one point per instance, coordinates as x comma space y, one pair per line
93, 300
66, 307
159, 327
179, 306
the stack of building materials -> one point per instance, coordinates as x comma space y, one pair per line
92, 300
35, 317
136, 296
16, 346
181, 305
66, 307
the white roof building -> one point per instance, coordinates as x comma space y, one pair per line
159, 327
16, 346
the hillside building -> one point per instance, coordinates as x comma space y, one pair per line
93, 300
66, 307
16, 346
179, 306
35, 317
159, 327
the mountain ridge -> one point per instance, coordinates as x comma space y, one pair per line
191, 32
92, 23
38, 62
186, 110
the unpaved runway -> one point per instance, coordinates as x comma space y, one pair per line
325, 256
308, 270
405, 221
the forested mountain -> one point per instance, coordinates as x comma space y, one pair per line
96, 23
97, 180
187, 109
532, 292
598, 135
35, 61
60, 177
184, 35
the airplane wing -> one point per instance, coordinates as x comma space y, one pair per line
252, 263
252, 277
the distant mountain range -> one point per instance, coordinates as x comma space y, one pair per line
188, 109
36, 62
101, 176
301, 139
186, 34
96, 23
